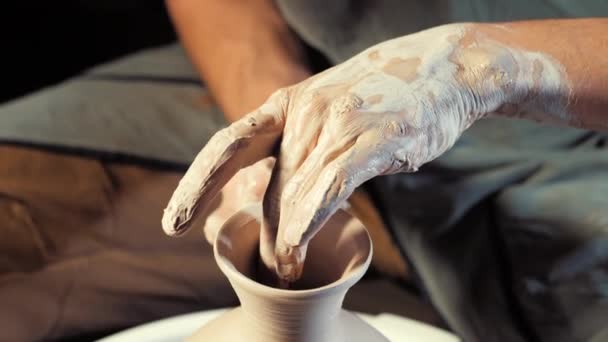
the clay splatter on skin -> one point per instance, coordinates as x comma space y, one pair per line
537, 73
405, 69
374, 99
432, 100
511, 109
416, 102
518, 75
374, 55
454, 38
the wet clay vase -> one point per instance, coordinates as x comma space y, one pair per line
311, 310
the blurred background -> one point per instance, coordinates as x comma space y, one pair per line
45, 42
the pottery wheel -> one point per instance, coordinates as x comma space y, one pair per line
395, 328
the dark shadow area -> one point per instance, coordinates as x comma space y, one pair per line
45, 42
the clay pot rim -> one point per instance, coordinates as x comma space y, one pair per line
354, 275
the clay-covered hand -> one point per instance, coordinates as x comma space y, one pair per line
391, 108
246, 187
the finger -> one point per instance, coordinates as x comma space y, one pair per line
241, 144
327, 150
296, 144
338, 134
331, 187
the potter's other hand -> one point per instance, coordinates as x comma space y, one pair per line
389, 109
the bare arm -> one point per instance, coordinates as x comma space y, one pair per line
243, 49
579, 49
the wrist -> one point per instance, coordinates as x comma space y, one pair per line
541, 93
517, 82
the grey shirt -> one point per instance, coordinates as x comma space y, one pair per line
508, 231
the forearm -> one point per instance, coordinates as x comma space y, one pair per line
578, 50
236, 45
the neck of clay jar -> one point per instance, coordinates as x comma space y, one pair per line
301, 318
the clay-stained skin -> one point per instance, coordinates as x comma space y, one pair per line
374, 99
392, 108
232, 148
404, 69
374, 55
530, 84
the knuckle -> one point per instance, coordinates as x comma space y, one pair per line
274, 109
280, 97
403, 163
395, 128
345, 105
226, 135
